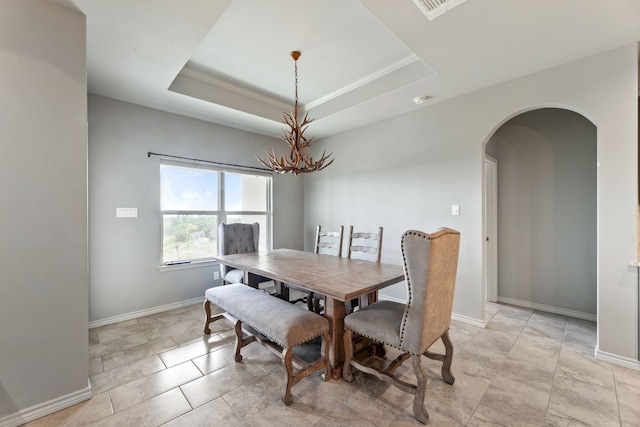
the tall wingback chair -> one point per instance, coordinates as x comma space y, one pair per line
237, 239
430, 266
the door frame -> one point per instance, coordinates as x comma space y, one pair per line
491, 227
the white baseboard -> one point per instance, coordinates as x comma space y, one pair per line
457, 317
142, 313
549, 309
46, 408
388, 298
469, 320
614, 359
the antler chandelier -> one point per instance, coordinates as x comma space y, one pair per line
298, 161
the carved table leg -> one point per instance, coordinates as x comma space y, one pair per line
334, 312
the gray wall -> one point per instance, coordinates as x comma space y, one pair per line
407, 171
43, 205
125, 252
547, 195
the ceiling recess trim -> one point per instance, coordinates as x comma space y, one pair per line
363, 81
434, 8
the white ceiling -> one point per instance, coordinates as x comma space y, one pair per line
227, 61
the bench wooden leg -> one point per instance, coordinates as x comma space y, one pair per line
241, 342
208, 319
238, 329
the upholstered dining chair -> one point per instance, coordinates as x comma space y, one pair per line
238, 239
430, 266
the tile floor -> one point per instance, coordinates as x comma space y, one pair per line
526, 368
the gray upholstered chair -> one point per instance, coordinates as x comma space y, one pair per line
430, 266
238, 239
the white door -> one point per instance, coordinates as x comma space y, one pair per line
491, 227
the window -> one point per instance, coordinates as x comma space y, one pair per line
196, 198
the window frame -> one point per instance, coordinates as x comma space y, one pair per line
221, 213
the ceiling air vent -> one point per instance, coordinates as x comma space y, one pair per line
434, 8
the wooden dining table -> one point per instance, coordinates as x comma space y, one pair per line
338, 279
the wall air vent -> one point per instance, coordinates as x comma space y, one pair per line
434, 8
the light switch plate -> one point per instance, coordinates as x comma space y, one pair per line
126, 212
455, 209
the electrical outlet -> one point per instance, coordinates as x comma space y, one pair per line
455, 209
216, 275
126, 212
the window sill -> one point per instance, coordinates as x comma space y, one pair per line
187, 265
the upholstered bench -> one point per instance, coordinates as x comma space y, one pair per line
273, 322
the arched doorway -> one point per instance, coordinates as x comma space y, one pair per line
547, 212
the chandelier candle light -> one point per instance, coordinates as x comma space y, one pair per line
298, 160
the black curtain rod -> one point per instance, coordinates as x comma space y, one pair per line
149, 154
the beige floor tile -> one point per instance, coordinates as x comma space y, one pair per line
506, 323
135, 392
224, 357
481, 420
546, 325
251, 398
483, 355
205, 345
131, 372
435, 420
503, 373
531, 363
81, 414
628, 393
543, 347
153, 412
93, 338
515, 312
513, 403
278, 414
580, 335
578, 366
492, 308
325, 396
125, 324
263, 357
132, 354
584, 401
186, 329
215, 384
373, 409
125, 329
341, 415
213, 414
458, 400
556, 419
95, 366
116, 345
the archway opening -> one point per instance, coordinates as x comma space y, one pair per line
547, 212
